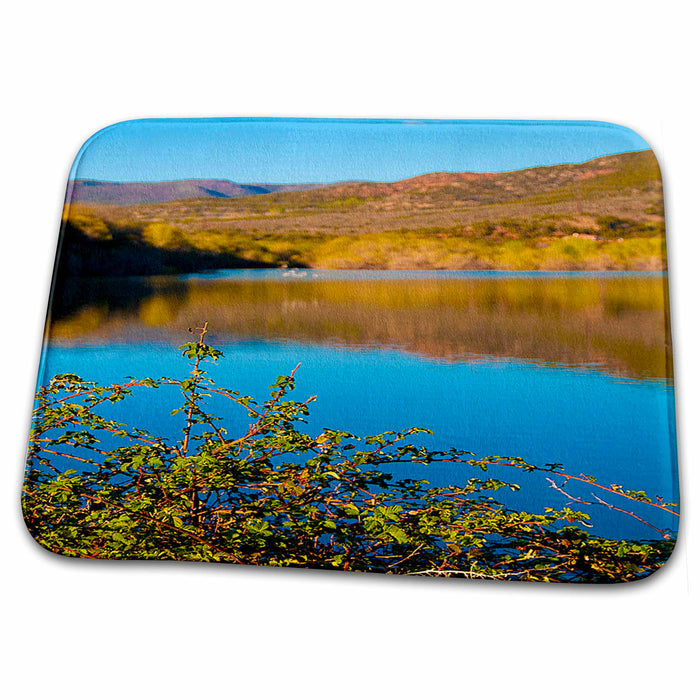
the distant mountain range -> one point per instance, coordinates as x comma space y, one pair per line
608, 173
104, 192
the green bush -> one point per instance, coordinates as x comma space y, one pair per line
277, 496
162, 235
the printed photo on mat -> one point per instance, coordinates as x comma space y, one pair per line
435, 348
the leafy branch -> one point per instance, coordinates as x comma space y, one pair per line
275, 495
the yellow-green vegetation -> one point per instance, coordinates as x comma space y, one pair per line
603, 215
416, 250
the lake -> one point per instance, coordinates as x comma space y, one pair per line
572, 368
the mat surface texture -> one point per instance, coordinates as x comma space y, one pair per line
436, 348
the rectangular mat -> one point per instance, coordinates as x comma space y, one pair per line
436, 348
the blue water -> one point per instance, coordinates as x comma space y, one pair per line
277, 275
619, 429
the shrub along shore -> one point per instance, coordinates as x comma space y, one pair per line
94, 246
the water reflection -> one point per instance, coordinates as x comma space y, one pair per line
617, 322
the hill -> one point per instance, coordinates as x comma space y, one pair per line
604, 214
124, 193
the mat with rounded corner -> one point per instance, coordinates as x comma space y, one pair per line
435, 348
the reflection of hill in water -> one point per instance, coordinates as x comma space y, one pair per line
617, 322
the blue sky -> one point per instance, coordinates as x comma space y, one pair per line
320, 150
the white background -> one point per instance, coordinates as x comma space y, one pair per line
79, 629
